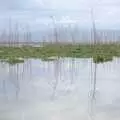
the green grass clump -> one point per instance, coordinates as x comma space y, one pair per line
48, 59
101, 59
13, 61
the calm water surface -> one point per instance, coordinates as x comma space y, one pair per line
60, 90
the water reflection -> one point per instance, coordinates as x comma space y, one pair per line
64, 89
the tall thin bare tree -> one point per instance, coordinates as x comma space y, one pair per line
93, 72
55, 28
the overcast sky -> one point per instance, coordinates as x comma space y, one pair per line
106, 12
59, 4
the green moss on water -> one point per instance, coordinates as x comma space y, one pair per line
100, 52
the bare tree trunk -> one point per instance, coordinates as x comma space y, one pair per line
55, 29
93, 80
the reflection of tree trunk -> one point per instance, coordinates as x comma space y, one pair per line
72, 71
17, 82
94, 82
14, 78
4, 87
23, 70
56, 75
4, 82
92, 92
29, 70
92, 108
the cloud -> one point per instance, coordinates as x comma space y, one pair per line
106, 12
22, 4
10, 4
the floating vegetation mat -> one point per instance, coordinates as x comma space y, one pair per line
99, 52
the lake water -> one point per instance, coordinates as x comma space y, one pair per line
66, 89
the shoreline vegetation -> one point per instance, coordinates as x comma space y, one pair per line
50, 51
17, 45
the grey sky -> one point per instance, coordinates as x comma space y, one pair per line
32, 11
58, 4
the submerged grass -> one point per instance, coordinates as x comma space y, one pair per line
99, 52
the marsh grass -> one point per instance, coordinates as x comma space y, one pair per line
13, 61
99, 52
